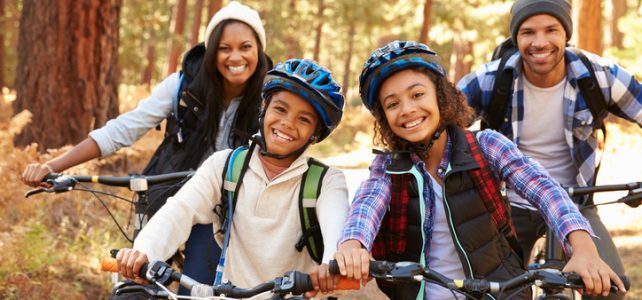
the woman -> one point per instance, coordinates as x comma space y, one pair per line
220, 91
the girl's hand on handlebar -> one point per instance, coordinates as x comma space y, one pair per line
586, 262
353, 260
129, 262
34, 173
322, 281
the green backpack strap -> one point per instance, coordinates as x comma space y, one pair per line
308, 195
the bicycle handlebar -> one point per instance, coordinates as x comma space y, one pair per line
294, 282
415, 272
62, 183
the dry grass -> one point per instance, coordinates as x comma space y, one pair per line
50, 245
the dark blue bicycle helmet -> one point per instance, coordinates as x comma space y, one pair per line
313, 83
392, 58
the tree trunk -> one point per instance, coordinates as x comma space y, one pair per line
215, 6
179, 24
425, 27
67, 69
461, 58
2, 26
319, 30
148, 73
590, 26
346, 67
619, 10
293, 49
196, 22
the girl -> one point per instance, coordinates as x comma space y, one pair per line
436, 193
302, 106
225, 76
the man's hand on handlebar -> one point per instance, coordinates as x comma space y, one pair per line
322, 281
129, 262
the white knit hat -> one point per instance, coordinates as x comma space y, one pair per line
237, 11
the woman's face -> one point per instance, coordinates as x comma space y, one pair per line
409, 101
289, 123
237, 55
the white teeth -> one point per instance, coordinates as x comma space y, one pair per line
540, 55
413, 123
282, 135
237, 69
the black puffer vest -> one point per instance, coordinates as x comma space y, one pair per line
483, 250
181, 138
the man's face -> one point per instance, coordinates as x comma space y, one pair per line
541, 40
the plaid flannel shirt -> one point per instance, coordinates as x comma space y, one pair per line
622, 92
505, 161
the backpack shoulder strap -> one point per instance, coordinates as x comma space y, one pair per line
490, 193
502, 90
233, 172
308, 195
590, 89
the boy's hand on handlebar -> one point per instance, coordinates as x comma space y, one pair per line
353, 260
34, 173
322, 281
586, 262
129, 263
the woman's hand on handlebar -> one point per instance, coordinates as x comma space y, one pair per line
353, 260
586, 262
129, 262
34, 173
322, 281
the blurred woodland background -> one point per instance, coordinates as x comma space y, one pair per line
68, 66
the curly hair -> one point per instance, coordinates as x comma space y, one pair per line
453, 110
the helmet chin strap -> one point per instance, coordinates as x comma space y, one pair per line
422, 149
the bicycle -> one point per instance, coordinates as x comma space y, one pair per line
296, 283
139, 184
548, 253
289, 286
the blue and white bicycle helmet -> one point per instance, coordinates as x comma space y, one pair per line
392, 58
313, 83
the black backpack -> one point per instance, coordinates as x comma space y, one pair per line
502, 89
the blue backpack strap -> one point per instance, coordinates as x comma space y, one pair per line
234, 170
308, 195
175, 102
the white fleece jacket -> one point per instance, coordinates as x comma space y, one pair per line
266, 222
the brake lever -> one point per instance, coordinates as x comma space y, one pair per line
633, 199
37, 191
149, 290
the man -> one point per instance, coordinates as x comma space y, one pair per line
547, 116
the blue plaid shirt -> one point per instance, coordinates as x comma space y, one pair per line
622, 92
505, 161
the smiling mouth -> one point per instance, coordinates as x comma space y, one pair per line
413, 123
281, 135
237, 69
540, 55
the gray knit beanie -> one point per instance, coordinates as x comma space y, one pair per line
524, 9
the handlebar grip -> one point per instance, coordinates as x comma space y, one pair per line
626, 281
348, 284
375, 267
109, 264
50, 176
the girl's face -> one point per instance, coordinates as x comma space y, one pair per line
409, 101
237, 55
289, 123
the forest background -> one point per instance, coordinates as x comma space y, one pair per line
67, 66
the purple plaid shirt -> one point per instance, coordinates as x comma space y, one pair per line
507, 163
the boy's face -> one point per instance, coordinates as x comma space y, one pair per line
409, 101
541, 41
289, 123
